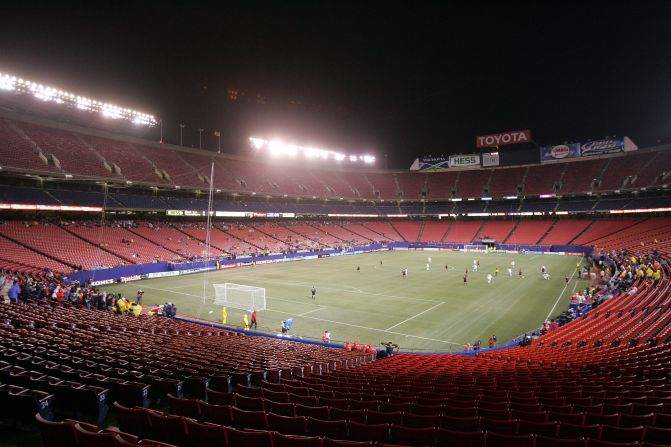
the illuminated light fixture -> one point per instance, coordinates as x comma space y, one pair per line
257, 143
485, 198
471, 199
51, 94
510, 197
277, 147
292, 150
546, 196
456, 200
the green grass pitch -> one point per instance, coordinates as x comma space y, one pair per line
427, 311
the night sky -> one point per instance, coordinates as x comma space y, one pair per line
397, 78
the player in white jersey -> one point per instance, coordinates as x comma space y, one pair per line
428, 266
510, 271
489, 278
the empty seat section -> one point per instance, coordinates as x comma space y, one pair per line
564, 231
463, 231
434, 231
441, 184
529, 231
411, 185
505, 181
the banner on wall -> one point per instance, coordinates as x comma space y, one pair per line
503, 138
560, 151
465, 161
607, 146
428, 163
490, 159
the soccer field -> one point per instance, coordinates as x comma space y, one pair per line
426, 311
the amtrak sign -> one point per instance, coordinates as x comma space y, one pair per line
503, 139
464, 161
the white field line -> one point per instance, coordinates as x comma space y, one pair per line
414, 316
325, 320
313, 310
560, 296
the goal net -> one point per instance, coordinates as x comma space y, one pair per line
476, 248
239, 296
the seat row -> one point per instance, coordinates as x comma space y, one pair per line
184, 431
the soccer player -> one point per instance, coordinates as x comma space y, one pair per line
475, 265
542, 269
546, 276
496, 272
428, 266
566, 279
253, 319
465, 279
510, 271
512, 264
489, 278
313, 291
358, 268
428, 259
520, 273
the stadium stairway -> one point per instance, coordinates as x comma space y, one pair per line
447, 231
477, 233
154, 242
512, 231
98, 246
421, 230
582, 232
549, 230
347, 228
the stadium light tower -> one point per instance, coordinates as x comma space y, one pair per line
181, 128
19, 86
200, 138
218, 135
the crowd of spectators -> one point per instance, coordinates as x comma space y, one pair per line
60, 290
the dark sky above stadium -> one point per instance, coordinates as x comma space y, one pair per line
397, 78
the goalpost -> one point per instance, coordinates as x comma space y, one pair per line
240, 296
475, 248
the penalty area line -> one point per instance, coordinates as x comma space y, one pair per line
414, 316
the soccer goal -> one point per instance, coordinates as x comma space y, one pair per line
476, 248
240, 296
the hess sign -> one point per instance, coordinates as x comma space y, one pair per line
462, 161
502, 139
